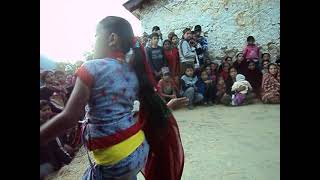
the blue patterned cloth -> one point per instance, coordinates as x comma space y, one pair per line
114, 90
204, 43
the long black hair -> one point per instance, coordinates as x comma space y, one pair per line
222, 65
147, 93
167, 40
174, 35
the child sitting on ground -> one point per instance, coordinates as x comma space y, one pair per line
166, 86
45, 115
45, 111
52, 155
206, 88
224, 70
207, 61
211, 75
188, 86
214, 68
239, 97
221, 90
52, 91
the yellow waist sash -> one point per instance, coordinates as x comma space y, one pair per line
116, 153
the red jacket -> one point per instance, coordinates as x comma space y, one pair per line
172, 57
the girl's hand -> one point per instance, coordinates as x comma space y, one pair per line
178, 102
173, 96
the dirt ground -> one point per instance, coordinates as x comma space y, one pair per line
220, 143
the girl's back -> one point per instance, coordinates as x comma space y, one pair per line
114, 88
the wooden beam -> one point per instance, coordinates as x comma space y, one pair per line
132, 5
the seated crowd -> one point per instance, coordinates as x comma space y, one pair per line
184, 69
55, 90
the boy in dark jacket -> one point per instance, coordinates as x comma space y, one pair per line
189, 89
155, 56
206, 88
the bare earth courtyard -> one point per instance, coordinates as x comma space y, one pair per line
220, 143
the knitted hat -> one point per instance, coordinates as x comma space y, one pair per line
240, 77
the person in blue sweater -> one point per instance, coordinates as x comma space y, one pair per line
202, 40
188, 86
198, 48
206, 88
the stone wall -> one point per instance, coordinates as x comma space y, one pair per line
227, 23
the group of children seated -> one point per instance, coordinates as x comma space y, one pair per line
55, 90
184, 69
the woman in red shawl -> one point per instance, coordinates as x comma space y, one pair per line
271, 85
156, 128
225, 70
240, 64
172, 56
254, 76
228, 59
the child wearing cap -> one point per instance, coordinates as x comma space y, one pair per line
200, 39
239, 97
